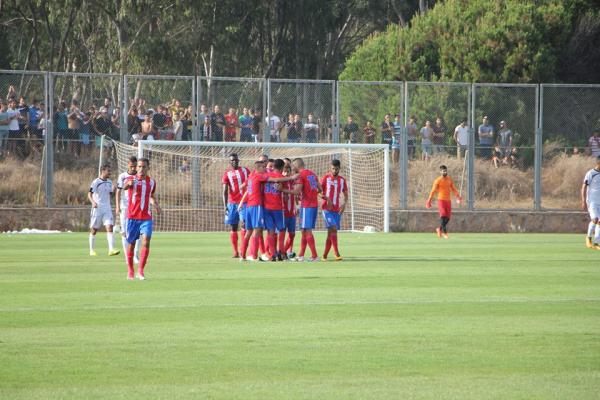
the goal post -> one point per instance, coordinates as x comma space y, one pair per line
189, 187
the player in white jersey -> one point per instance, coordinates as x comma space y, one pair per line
590, 200
99, 195
122, 204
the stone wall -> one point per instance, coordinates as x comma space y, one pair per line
77, 219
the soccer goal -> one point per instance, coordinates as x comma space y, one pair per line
189, 188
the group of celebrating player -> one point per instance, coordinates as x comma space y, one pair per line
268, 198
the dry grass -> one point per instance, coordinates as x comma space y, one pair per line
505, 187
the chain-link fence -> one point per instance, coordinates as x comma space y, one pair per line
84, 107
22, 135
160, 107
531, 150
433, 112
305, 109
504, 124
570, 124
231, 109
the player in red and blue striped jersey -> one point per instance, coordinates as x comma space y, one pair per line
274, 217
289, 213
307, 185
141, 190
233, 179
334, 188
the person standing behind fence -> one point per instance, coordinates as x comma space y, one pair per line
275, 128
439, 136
217, 123
411, 136
426, 136
369, 132
594, 144
294, 130
133, 123
231, 125
387, 130
14, 131
257, 125
74, 123
505, 140
461, 137
6, 119
396, 138
486, 137
311, 129
245, 122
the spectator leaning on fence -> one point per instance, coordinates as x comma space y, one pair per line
14, 130
594, 144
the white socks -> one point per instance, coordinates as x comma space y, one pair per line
591, 229
597, 234
110, 239
92, 242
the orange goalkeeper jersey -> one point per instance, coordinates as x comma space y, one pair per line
443, 186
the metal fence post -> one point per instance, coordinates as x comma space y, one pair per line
124, 138
266, 112
334, 106
403, 172
471, 153
537, 189
49, 142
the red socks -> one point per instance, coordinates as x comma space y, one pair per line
245, 243
130, 263
261, 242
254, 246
143, 258
334, 243
327, 246
289, 245
310, 240
271, 244
233, 238
281, 242
302, 245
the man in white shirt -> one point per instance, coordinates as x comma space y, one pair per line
99, 195
590, 201
122, 205
461, 137
275, 128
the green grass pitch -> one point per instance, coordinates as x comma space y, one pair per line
404, 316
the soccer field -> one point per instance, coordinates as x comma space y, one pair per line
403, 316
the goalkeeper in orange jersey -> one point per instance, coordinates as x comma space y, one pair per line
443, 186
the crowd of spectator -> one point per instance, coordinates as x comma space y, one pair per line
77, 131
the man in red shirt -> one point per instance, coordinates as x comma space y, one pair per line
274, 217
289, 213
231, 125
334, 187
232, 180
307, 185
141, 190
254, 218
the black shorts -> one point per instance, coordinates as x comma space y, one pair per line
14, 134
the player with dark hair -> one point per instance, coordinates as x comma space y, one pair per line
289, 213
308, 185
99, 195
141, 190
444, 187
122, 203
334, 187
233, 180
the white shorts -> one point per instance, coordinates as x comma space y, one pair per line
101, 218
123, 220
594, 210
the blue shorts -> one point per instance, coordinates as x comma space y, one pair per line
232, 217
274, 220
332, 219
138, 227
308, 217
254, 217
243, 212
290, 224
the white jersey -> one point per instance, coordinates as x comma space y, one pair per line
124, 193
101, 193
592, 180
462, 135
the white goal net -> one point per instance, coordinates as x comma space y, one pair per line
189, 188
